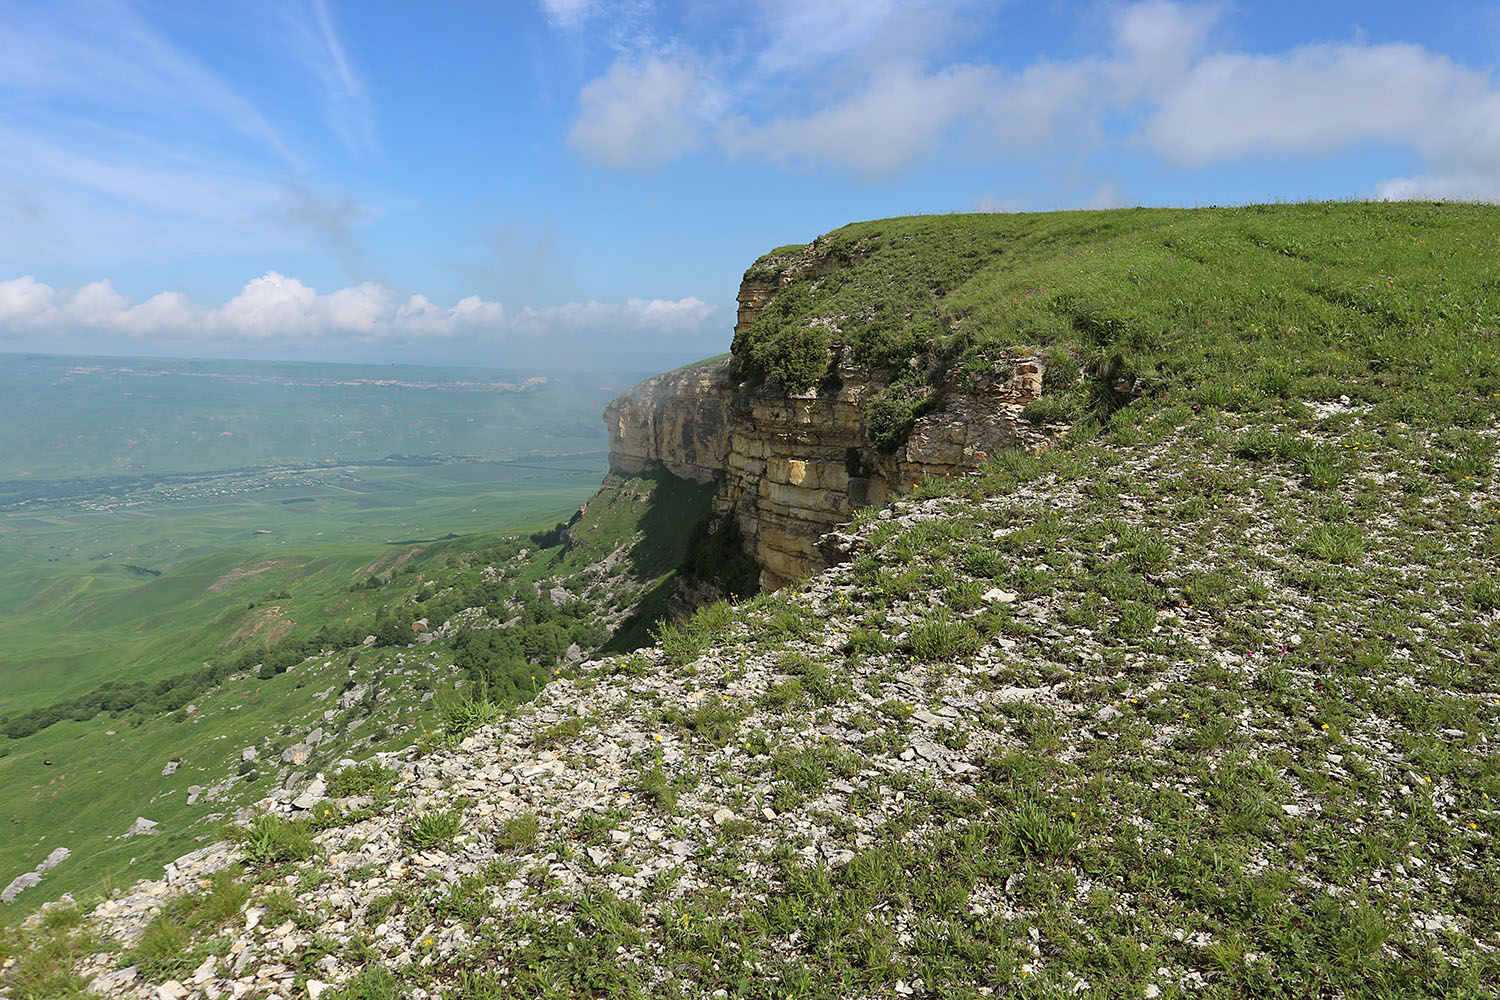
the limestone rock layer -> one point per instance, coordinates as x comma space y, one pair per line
792, 466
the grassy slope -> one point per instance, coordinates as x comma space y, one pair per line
1301, 301
68, 622
1234, 734
80, 784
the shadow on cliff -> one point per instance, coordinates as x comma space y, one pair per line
663, 513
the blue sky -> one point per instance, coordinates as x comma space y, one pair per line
557, 182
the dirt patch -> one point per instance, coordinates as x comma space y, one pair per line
234, 576
268, 627
391, 560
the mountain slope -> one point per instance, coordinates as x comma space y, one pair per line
1204, 700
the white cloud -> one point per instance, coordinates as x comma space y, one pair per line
1313, 100
568, 13
826, 89
281, 310
643, 115
900, 116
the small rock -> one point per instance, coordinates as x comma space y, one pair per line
171, 990
316, 988
140, 827
18, 885
171, 768
1292, 810
723, 816
998, 596
312, 795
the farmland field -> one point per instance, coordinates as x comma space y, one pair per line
131, 539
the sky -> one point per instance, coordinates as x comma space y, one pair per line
581, 183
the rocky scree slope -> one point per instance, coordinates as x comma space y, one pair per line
1203, 701
1124, 719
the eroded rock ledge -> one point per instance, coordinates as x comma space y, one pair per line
791, 466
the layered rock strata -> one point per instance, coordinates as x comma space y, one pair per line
791, 466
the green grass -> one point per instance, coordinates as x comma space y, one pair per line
1237, 724
1237, 308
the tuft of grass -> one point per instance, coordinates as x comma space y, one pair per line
272, 839
942, 637
433, 828
369, 778
517, 832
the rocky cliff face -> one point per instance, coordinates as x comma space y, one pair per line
792, 466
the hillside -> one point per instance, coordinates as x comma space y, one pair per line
1202, 700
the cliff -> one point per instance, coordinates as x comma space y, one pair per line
793, 465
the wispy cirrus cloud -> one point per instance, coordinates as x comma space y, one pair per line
314, 39
121, 147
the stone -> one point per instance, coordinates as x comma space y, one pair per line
57, 856
18, 885
192, 794
113, 980
997, 596
316, 988
249, 753
171, 990
296, 754
312, 795
171, 768
723, 815
141, 827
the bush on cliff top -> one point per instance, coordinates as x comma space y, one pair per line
1284, 301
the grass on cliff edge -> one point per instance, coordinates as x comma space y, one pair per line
1393, 303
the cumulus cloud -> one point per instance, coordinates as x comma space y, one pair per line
281, 310
824, 90
643, 115
899, 116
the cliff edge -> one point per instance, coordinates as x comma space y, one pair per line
793, 464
